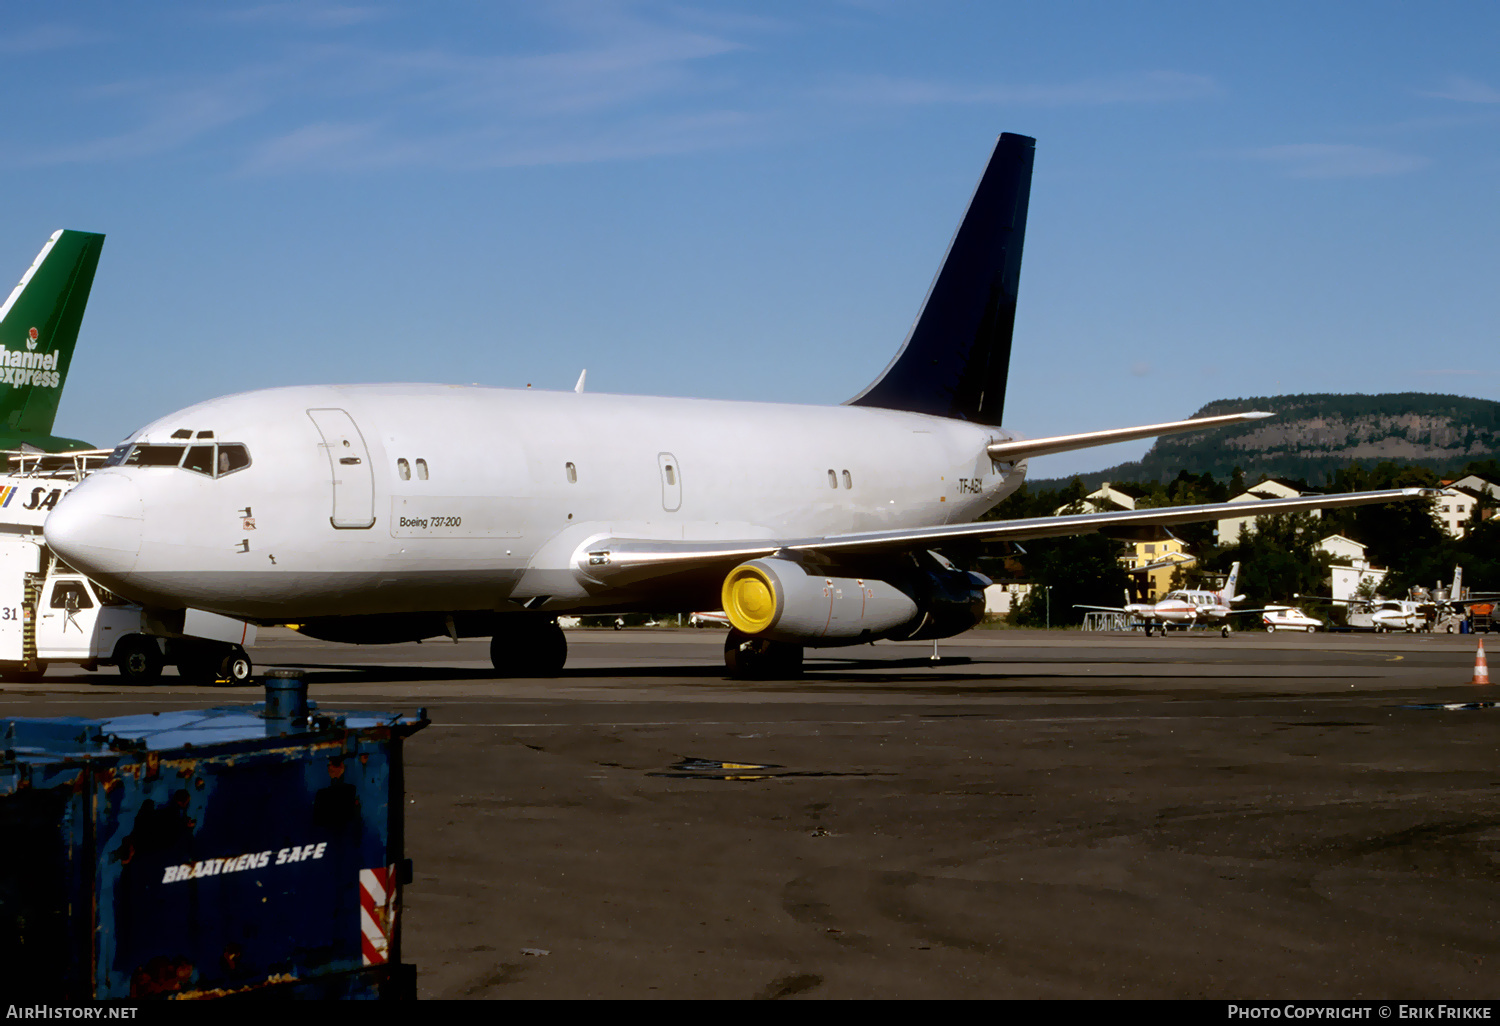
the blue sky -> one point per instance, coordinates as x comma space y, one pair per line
749, 200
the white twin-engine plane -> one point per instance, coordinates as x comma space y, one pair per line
1187, 607
386, 513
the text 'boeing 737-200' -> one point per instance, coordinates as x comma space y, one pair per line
385, 513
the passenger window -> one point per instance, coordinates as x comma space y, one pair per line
404, 469
671, 474
421, 470
572, 473
201, 459
71, 595
833, 479
848, 481
232, 458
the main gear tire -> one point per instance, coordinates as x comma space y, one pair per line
528, 646
752, 658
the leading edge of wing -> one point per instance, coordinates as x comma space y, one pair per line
622, 559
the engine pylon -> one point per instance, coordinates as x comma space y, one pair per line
1481, 667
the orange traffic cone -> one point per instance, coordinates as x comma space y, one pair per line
1481, 668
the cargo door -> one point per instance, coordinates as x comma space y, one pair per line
349, 462
671, 482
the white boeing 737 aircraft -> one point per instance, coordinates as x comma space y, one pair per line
386, 513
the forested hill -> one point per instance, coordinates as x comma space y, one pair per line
1312, 436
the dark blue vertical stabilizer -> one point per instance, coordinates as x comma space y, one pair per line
957, 357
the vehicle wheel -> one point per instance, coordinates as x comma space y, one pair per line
748, 658
236, 666
528, 646
1311, 629
1224, 630
1450, 628
139, 659
1270, 628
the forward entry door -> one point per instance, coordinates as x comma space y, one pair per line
349, 462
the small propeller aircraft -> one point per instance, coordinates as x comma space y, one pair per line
1186, 607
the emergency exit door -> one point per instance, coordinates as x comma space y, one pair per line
349, 463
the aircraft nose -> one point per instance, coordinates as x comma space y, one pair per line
96, 528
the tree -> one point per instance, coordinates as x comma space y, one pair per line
1277, 559
1079, 569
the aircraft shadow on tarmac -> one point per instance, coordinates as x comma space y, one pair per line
955, 675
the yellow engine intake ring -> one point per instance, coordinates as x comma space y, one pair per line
750, 599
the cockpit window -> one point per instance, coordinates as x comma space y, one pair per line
201, 459
232, 458
208, 459
154, 456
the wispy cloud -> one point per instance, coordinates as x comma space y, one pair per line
1146, 87
615, 84
167, 119
361, 146
1465, 90
1334, 160
304, 15
41, 38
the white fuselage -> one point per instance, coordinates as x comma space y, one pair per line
401, 498
1183, 607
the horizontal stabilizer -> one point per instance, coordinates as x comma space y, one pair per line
1022, 448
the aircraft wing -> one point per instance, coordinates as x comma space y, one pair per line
625, 560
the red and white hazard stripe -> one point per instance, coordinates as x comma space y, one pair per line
377, 913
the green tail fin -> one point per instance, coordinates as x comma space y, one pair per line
38, 329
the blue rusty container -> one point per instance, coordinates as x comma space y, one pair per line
254, 849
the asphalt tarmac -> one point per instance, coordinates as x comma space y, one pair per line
1040, 815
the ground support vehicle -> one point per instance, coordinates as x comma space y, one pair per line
51, 614
1288, 618
249, 850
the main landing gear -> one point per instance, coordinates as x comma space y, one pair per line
201, 662
749, 658
528, 646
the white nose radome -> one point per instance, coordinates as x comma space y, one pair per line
96, 528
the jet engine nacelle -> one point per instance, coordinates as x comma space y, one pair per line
783, 600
